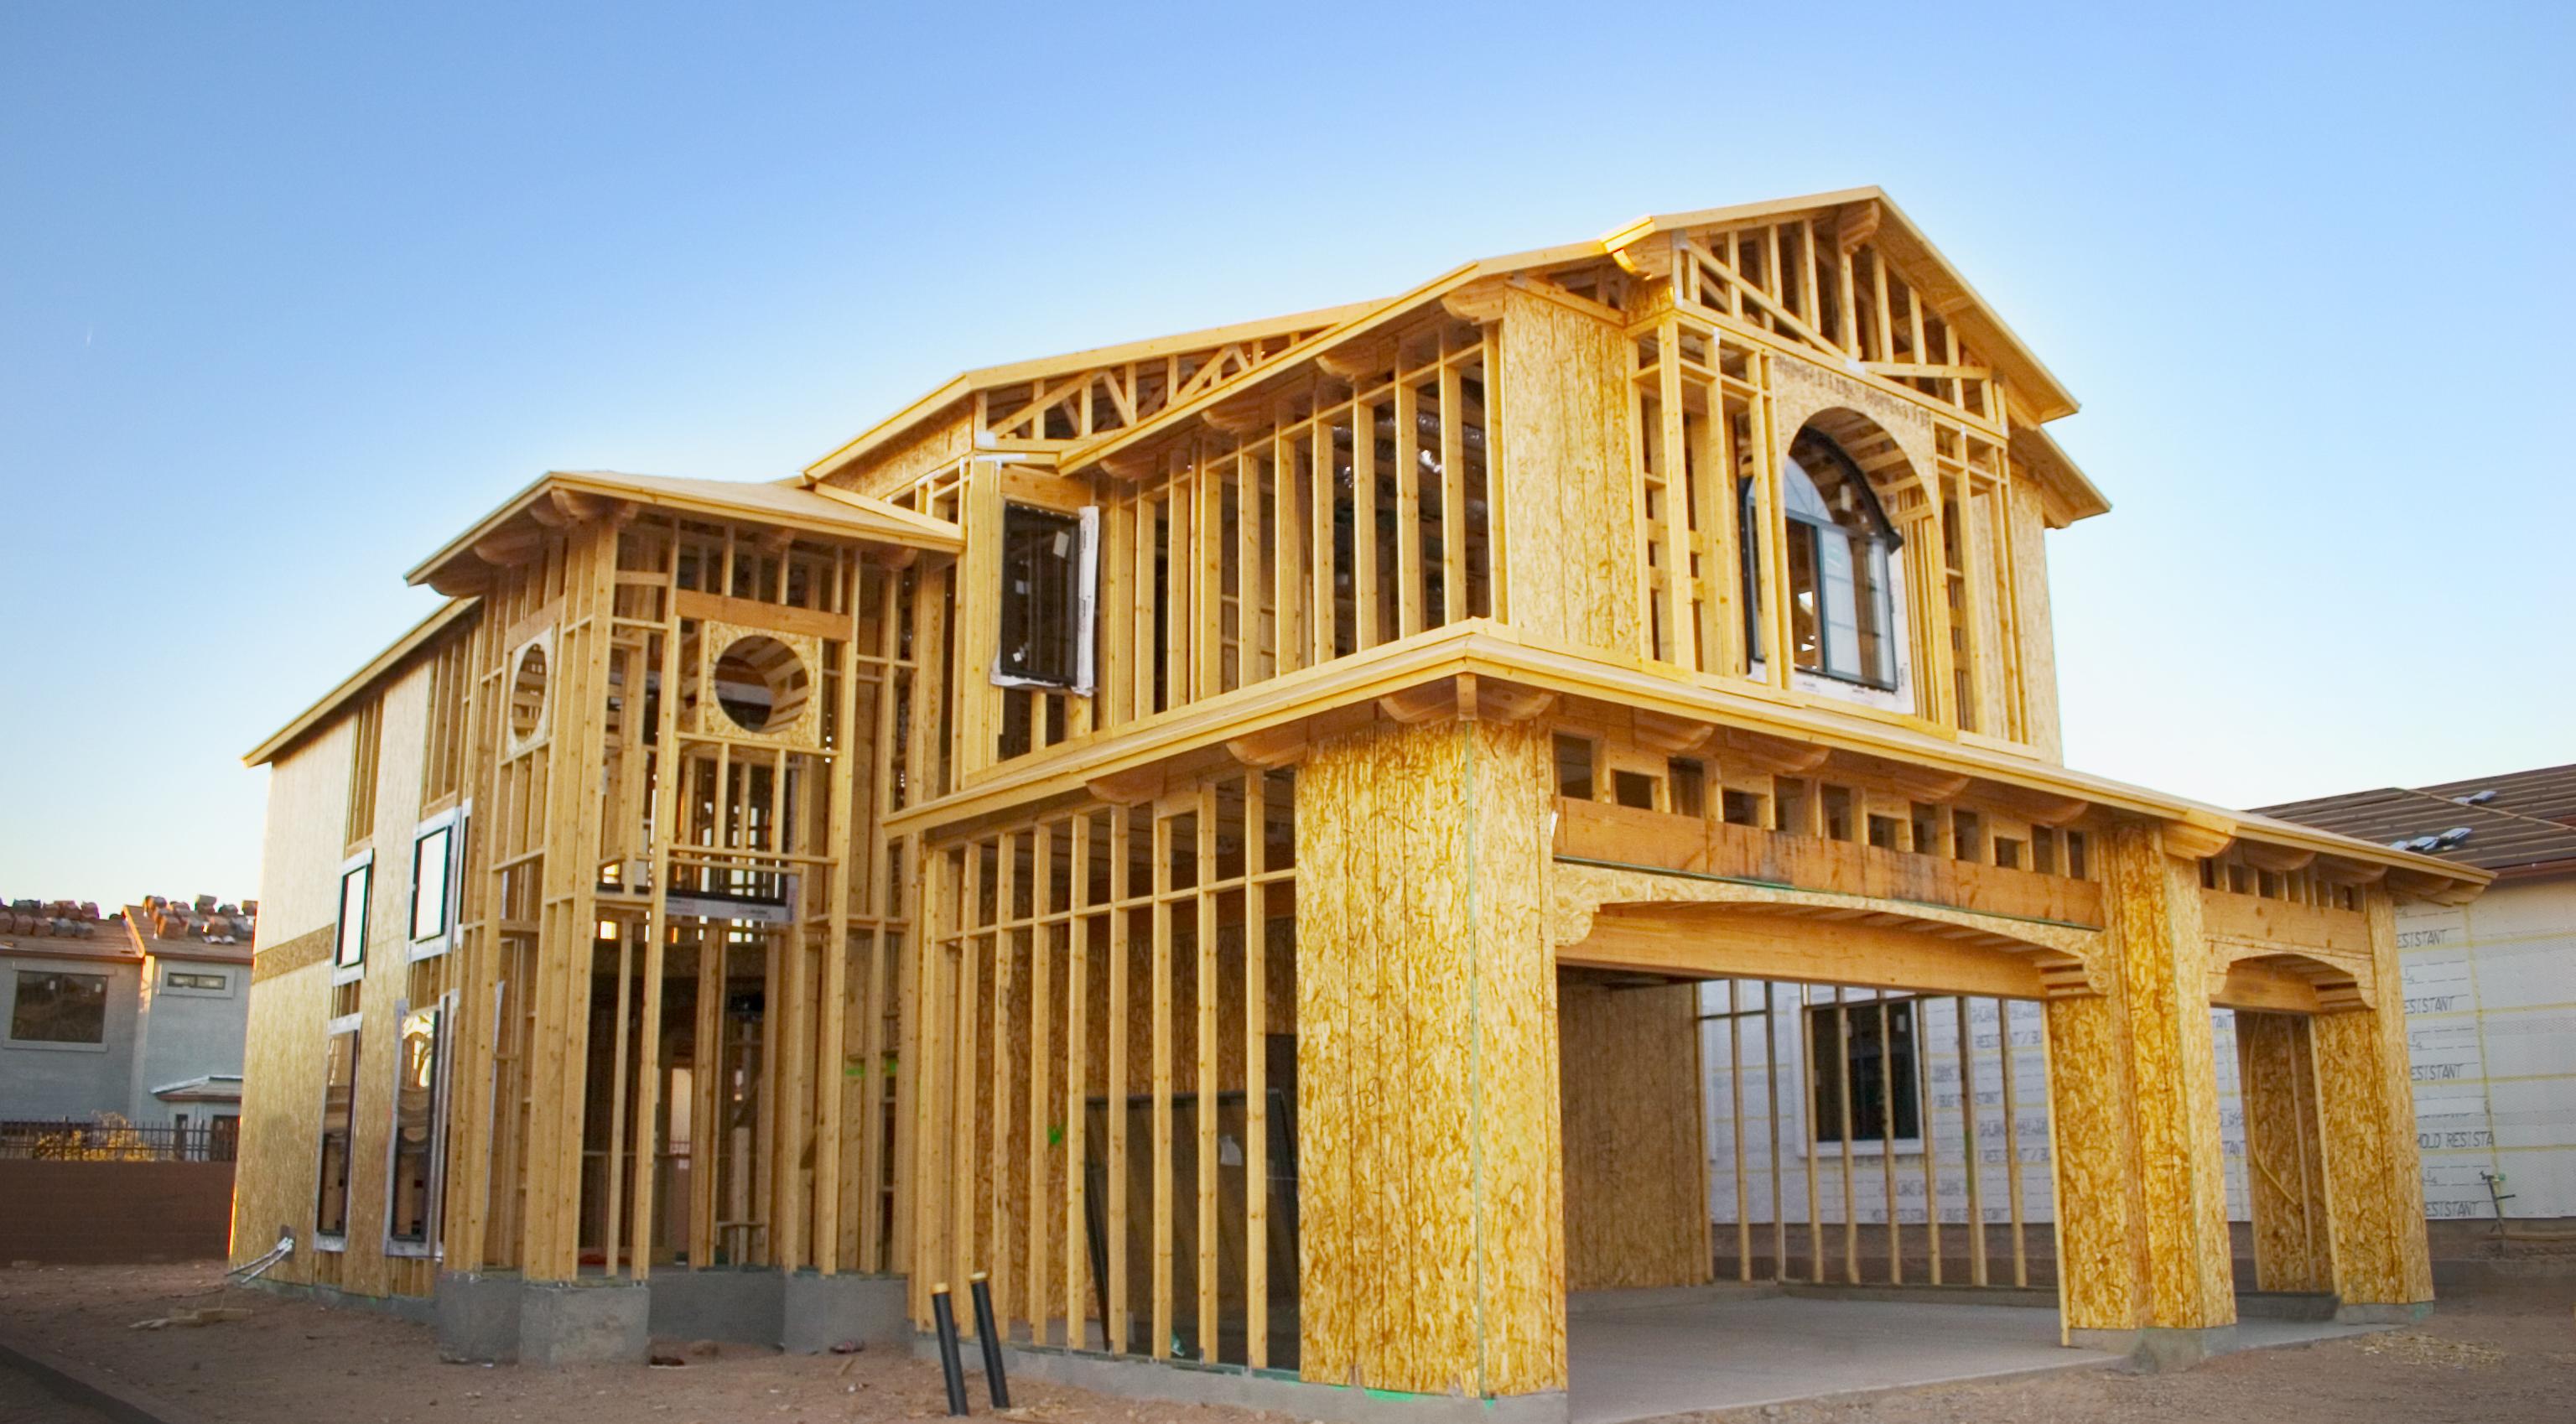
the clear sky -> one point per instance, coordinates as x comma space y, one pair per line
288, 294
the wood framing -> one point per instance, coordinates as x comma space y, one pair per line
1229, 836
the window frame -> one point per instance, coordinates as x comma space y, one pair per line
1816, 1141
222, 988
443, 1021
344, 967
1084, 597
106, 1008
454, 822
1874, 559
347, 1026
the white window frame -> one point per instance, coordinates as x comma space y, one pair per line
339, 1240
342, 970
429, 1246
455, 821
1086, 607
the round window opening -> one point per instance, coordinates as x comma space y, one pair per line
761, 684
528, 692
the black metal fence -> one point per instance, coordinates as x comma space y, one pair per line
81, 1140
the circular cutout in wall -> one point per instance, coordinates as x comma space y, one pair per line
761, 684
528, 692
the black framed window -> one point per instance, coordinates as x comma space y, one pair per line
1046, 599
356, 882
1850, 1047
53, 1007
1841, 595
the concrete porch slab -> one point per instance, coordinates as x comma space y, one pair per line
1636, 1355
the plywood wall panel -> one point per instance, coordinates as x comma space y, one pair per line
1564, 475
1634, 1211
1427, 1062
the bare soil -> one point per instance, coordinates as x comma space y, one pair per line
293, 1359
2493, 1356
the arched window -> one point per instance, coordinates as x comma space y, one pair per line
1842, 608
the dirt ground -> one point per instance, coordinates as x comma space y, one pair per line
2493, 1356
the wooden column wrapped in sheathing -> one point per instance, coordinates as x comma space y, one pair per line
1635, 1213
2284, 1161
1429, 1203
1563, 472
2141, 1198
2374, 1185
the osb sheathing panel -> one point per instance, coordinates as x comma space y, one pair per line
281, 1124
2038, 633
2142, 1207
2284, 1165
1802, 390
1636, 1213
2375, 1189
1562, 378
1430, 1206
938, 441
301, 847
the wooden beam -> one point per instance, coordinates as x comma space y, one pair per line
1429, 702
1925, 784
1705, 941
1283, 745
1673, 736
2280, 860
1774, 755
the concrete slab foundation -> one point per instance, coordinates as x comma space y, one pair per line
585, 1323
477, 1317
2407, 1314
737, 1305
1186, 1383
823, 1311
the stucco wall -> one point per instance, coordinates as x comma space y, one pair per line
50, 1080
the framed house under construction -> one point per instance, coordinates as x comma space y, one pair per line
1224, 834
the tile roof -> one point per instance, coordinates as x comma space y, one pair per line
2521, 822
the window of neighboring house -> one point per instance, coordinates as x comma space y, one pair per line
54, 1007
1851, 1047
1842, 601
357, 882
223, 1142
339, 1104
1048, 565
411, 1208
437, 878
183, 979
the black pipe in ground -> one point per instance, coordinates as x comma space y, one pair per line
944, 1317
998, 1387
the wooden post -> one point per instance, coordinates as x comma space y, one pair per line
1437, 834
2141, 1201
2374, 1187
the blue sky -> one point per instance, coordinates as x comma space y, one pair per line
289, 294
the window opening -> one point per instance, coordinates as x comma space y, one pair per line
1048, 568
412, 1206
339, 1101
1849, 1046
1841, 598
356, 883
53, 1007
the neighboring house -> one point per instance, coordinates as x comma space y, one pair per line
2490, 986
1227, 833
141, 1015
